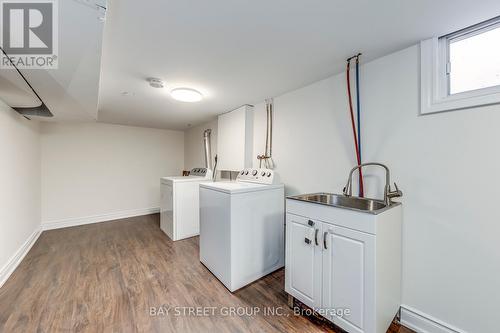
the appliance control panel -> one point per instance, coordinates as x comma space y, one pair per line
201, 172
261, 176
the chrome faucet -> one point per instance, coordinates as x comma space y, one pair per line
388, 194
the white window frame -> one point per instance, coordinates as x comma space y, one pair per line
434, 76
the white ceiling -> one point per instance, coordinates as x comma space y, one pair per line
233, 51
238, 52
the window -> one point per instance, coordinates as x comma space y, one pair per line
474, 59
462, 69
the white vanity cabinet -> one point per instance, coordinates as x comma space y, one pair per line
345, 264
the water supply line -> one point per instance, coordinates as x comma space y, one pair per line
267, 157
358, 107
214, 171
353, 123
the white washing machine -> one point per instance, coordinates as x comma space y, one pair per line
242, 227
179, 204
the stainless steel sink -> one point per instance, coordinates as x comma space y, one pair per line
341, 201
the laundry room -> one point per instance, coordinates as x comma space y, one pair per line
191, 166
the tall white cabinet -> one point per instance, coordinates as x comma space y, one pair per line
345, 264
235, 139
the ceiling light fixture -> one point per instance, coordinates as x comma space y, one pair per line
186, 95
155, 82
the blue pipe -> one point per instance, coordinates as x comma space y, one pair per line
358, 107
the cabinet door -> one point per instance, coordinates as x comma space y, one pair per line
348, 278
303, 260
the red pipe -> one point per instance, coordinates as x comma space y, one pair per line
361, 187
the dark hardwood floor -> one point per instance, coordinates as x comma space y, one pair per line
122, 276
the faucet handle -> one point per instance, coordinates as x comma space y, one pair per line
345, 191
397, 192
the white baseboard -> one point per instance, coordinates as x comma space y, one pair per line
424, 323
71, 222
15, 260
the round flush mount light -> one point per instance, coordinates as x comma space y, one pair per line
186, 95
155, 82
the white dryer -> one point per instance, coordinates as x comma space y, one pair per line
242, 227
179, 204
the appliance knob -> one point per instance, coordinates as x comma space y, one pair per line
269, 174
254, 172
242, 172
263, 173
246, 172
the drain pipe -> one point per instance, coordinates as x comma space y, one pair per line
208, 149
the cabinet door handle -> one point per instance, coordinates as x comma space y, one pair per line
310, 223
307, 240
316, 236
324, 240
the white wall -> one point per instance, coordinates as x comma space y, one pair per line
91, 170
446, 164
19, 186
311, 137
193, 145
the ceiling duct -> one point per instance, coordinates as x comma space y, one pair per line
38, 110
